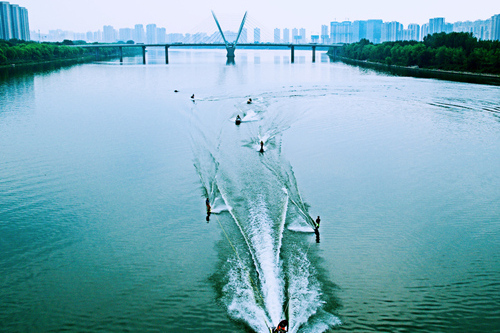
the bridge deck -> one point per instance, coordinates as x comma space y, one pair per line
230, 48
253, 45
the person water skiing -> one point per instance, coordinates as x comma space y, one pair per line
249, 101
316, 229
262, 146
238, 120
192, 96
282, 327
209, 208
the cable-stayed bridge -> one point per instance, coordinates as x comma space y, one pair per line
218, 39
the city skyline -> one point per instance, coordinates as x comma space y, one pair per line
377, 31
92, 15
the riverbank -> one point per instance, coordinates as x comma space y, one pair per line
425, 72
22, 57
7, 71
47, 62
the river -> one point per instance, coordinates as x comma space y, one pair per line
105, 169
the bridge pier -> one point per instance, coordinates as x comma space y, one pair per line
293, 53
230, 51
314, 53
230, 54
166, 54
143, 55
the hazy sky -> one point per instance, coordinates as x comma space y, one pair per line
186, 15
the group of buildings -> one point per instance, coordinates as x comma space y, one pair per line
298, 36
150, 34
14, 22
378, 31
375, 31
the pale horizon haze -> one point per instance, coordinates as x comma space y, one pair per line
182, 17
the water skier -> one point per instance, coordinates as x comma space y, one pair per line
238, 120
209, 209
282, 327
249, 101
262, 146
316, 229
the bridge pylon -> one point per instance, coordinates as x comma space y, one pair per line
230, 47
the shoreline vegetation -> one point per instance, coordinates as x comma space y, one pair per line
32, 55
455, 56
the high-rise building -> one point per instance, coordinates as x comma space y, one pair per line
89, 36
346, 32
286, 35
436, 25
358, 31
302, 34
151, 34
161, 36
25, 25
495, 27
424, 31
125, 34
341, 32
5, 26
14, 22
325, 37
392, 31
109, 34
277, 35
175, 38
374, 31
334, 28
139, 35
98, 36
413, 31
256, 35
295, 36
479, 29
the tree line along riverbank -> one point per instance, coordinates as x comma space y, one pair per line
460, 52
17, 52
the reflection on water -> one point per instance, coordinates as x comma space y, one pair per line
19, 93
102, 222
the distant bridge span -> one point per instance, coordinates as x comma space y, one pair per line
292, 47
